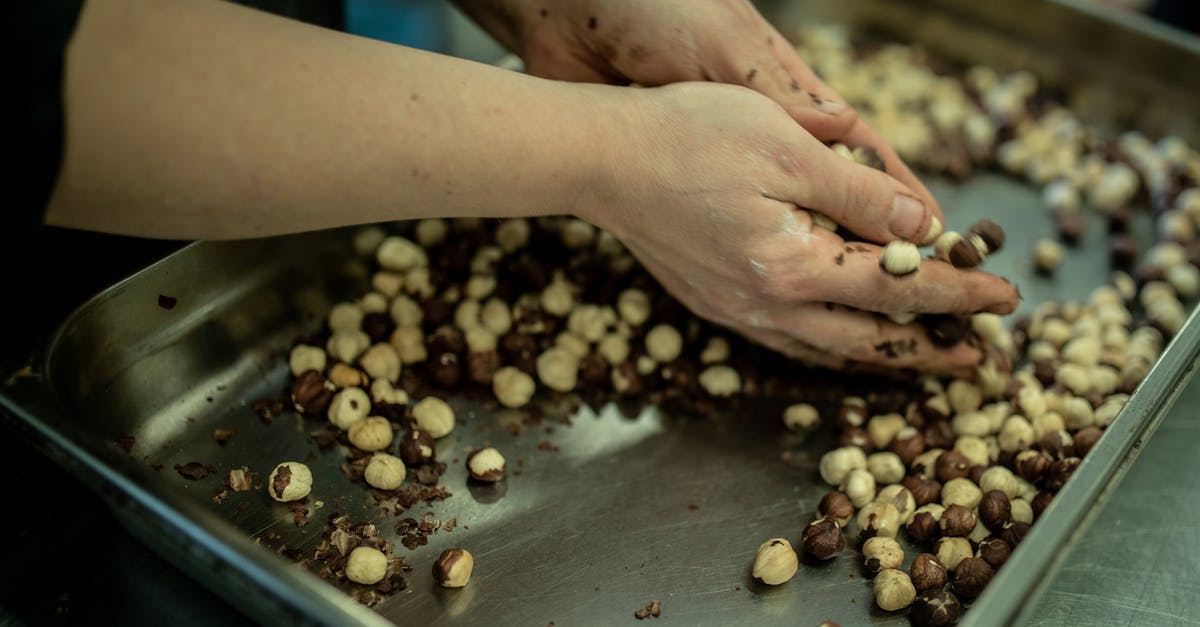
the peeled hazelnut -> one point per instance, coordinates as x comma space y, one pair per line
823, 539
901, 498
720, 380
416, 447
945, 243
879, 519
927, 572
859, 486
289, 481
366, 565
400, 255
385, 472
348, 407
971, 576
312, 393
486, 464
1047, 256
935, 608
957, 521
381, 361
1021, 510
453, 568
513, 388
837, 464
634, 306
881, 553
893, 590
886, 467
951, 551
999, 478
994, 510
371, 434
801, 416
775, 562
836, 506
347, 345
900, 258
925, 465
304, 358
434, 416
961, 491
558, 369
994, 551
345, 318
664, 343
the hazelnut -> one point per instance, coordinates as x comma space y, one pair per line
434, 416
880, 553
952, 465
416, 447
924, 491
925, 465
965, 253
614, 348
1021, 510
893, 590
304, 358
837, 464
371, 434
312, 393
908, 444
720, 380
345, 318
923, 528
1085, 439
879, 519
495, 316
486, 464
634, 306
366, 565
836, 506
512, 234
409, 343
975, 449
927, 572
946, 330
1060, 471
991, 234
715, 352
852, 412
999, 478
961, 491
775, 562
1032, 465
944, 243
1047, 256
398, 254
800, 417
886, 467
557, 298
453, 568
558, 369
994, 510
347, 345
822, 539
348, 407
482, 366
1040, 502
883, 429
951, 551
664, 343
289, 481
900, 258
512, 387
901, 498
859, 486
1014, 532
957, 521
385, 472
857, 438
1017, 434
994, 551
405, 312
971, 576
935, 608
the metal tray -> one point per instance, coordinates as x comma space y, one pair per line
624, 511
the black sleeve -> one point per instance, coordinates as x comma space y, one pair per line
41, 31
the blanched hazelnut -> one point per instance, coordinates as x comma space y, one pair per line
381, 361
951, 551
901, 498
345, 318
486, 464
1020, 510
883, 429
347, 345
900, 258
716, 351
859, 486
927, 573
512, 387
961, 491
346, 376
720, 380
634, 306
479, 340
837, 507
366, 565
775, 562
558, 369
304, 358
893, 590
289, 481
409, 343
880, 553
664, 343
348, 407
495, 316
999, 478
1016, 434
383, 392
434, 416
557, 298
513, 234
614, 348
385, 472
800, 417
586, 321
879, 519
886, 467
373, 433
400, 255
1047, 256
837, 464
823, 539
453, 568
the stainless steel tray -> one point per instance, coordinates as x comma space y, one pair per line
624, 511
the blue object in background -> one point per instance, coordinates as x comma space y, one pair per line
416, 23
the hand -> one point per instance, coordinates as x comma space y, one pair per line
708, 197
670, 41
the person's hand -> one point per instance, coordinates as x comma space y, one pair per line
708, 195
670, 41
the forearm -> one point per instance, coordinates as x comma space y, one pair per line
203, 119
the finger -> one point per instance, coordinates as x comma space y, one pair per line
548, 58
858, 336
872, 204
861, 134
812, 103
791, 346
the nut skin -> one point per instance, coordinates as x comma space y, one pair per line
991, 234
453, 568
312, 392
909, 448
957, 521
836, 506
994, 510
994, 551
938, 434
952, 465
935, 608
1040, 503
1060, 471
924, 490
416, 447
1085, 439
964, 254
923, 528
927, 572
971, 577
823, 539
1032, 465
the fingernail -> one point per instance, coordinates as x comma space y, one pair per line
826, 105
935, 229
908, 214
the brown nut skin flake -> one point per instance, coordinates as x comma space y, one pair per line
971, 577
927, 572
312, 392
823, 539
994, 510
935, 608
453, 568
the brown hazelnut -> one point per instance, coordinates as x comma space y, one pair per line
923, 528
964, 254
482, 366
957, 521
1122, 251
852, 412
1014, 532
1040, 503
971, 577
939, 434
935, 608
1060, 471
991, 234
909, 443
416, 447
453, 568
486, 464
994, 551
312, 392
976, 473
444, 369
952, 465
1071, 226
1085, 439
593, 369
1052, 445
836, 506
823, 539
1031, 465
994, 510
946, 330
927, 572
520, 350
924, 490
856, 436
